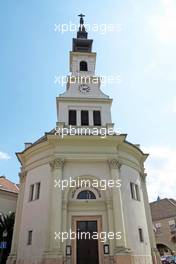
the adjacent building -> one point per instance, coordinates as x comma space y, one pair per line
164, 221
54, 208
8, 195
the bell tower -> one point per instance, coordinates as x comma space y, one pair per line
83, 103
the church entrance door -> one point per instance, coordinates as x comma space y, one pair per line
87, 247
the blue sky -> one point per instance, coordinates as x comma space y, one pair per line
143, 53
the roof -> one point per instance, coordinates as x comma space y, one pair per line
164, 208
7, 185
53, 132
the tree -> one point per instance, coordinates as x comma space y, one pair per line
6, 232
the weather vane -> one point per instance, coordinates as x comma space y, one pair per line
81, 19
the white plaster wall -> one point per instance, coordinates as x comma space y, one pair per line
7, 202
35, 215
98, 169
134, 212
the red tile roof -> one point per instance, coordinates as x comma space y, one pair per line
7, 185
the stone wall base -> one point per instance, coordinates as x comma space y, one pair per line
11, 259
156, 257
123, 259
44, 261
118, 259
131, 259
52, 261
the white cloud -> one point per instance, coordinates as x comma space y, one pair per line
4, 156
161, 169
163, 23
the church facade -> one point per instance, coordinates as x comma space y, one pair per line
83, 197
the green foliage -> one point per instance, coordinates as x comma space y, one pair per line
6, 232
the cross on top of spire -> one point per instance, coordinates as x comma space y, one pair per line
81, 19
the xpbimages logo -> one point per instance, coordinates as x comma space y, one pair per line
103, 132
80, 235
102, 29
87, 183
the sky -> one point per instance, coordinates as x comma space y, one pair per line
142, 52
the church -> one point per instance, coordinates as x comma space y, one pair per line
83, 196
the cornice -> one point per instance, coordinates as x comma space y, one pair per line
78, 54
106, 149
83, 99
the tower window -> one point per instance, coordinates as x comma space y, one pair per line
29, 239
141, 237
37, 190
72, 117
135, 194
34, 191
84, 118
83, 66
97, 118
88, 195
31, 192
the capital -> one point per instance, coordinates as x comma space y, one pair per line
143, 176
114, 164
22, 176
57, 164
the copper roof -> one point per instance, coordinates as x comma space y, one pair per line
164, 208
7, 185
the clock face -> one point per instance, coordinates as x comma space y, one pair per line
84, 88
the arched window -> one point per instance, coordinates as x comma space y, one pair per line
83, 66
88, 195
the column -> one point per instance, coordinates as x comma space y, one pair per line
154, 251
14, 248
54, 246
119, 226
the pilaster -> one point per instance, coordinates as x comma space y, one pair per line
54, 246
119, 225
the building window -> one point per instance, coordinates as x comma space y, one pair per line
34, 191
88, 195
37, 190
158, 228
84, 118
135, 194
72, 117
141, 237
31, 192
29, 239
83, 66
97, 118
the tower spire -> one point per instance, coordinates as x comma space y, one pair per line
82, 43
82, 31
